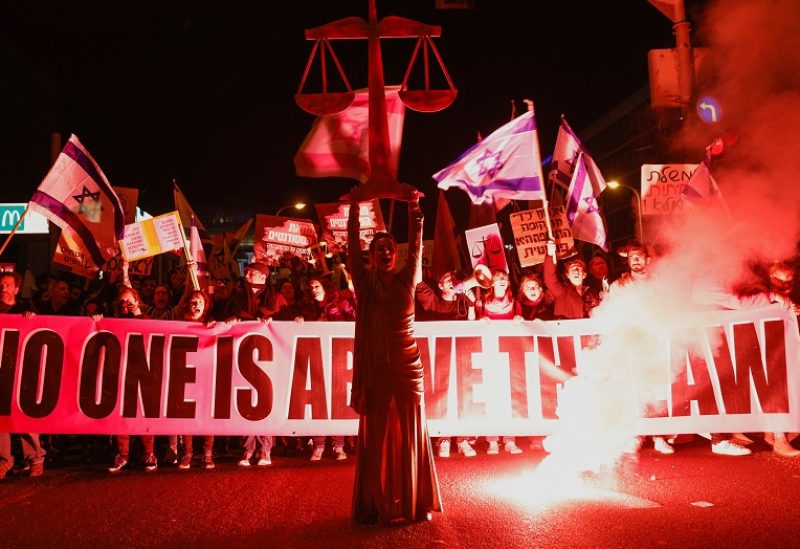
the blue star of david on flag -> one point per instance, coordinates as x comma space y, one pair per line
505, 164
583, 212
489, 163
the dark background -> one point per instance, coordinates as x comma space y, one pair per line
203, 92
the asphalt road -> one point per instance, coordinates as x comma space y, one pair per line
690, 499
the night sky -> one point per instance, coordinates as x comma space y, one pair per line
203, 92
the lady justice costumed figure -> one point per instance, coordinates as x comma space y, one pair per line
395, 474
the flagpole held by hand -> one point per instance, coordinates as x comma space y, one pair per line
545, 204
190, 263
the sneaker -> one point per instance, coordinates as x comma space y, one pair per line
493, 448
37, 469
338, 451
171, 456
119, 463
730, 448
512, 448
186, 461
444, 449
245, 461
466, 449
150, 463
316, 455
264, 460
662, 446
208, 462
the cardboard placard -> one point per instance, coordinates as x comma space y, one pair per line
530, 234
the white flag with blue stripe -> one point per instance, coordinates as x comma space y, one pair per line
583, 211
504, 164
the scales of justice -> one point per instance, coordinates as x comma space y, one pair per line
382, 181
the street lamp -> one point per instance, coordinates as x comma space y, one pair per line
615, 185
297, 206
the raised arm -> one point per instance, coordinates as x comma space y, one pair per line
354, 252
415, 240
551, 280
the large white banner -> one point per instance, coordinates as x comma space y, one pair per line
730, 372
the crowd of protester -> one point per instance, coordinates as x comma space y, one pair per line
295, 290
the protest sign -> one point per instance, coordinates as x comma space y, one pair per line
333, 219
150, 237
662, 185
485, 247
530, 234
276, 236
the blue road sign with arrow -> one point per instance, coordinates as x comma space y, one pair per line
709, 110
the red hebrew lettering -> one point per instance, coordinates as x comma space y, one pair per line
437, 379
467, 377
223, 378
516, 347
180, 373
684, 356
341, 378
42, 343
144, 377
8, 369
254, 344
308, 380
100, 346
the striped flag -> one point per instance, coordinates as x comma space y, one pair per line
187, 215
196, 249
76, 196
504, 164
565, 156
701, 190
338, 144
583, 211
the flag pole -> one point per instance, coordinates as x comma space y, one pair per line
187, 254
14, 230
545, 205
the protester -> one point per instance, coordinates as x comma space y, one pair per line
59, 302
500, 304
534, 301
573, 298
32, 453
129, 305
196, 310
638, 261
258, 301
708, 292
779, 281
598, 273
395, 474
325, 305
448, 304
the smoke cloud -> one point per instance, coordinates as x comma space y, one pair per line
755, 48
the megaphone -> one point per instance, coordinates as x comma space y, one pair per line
481, 276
